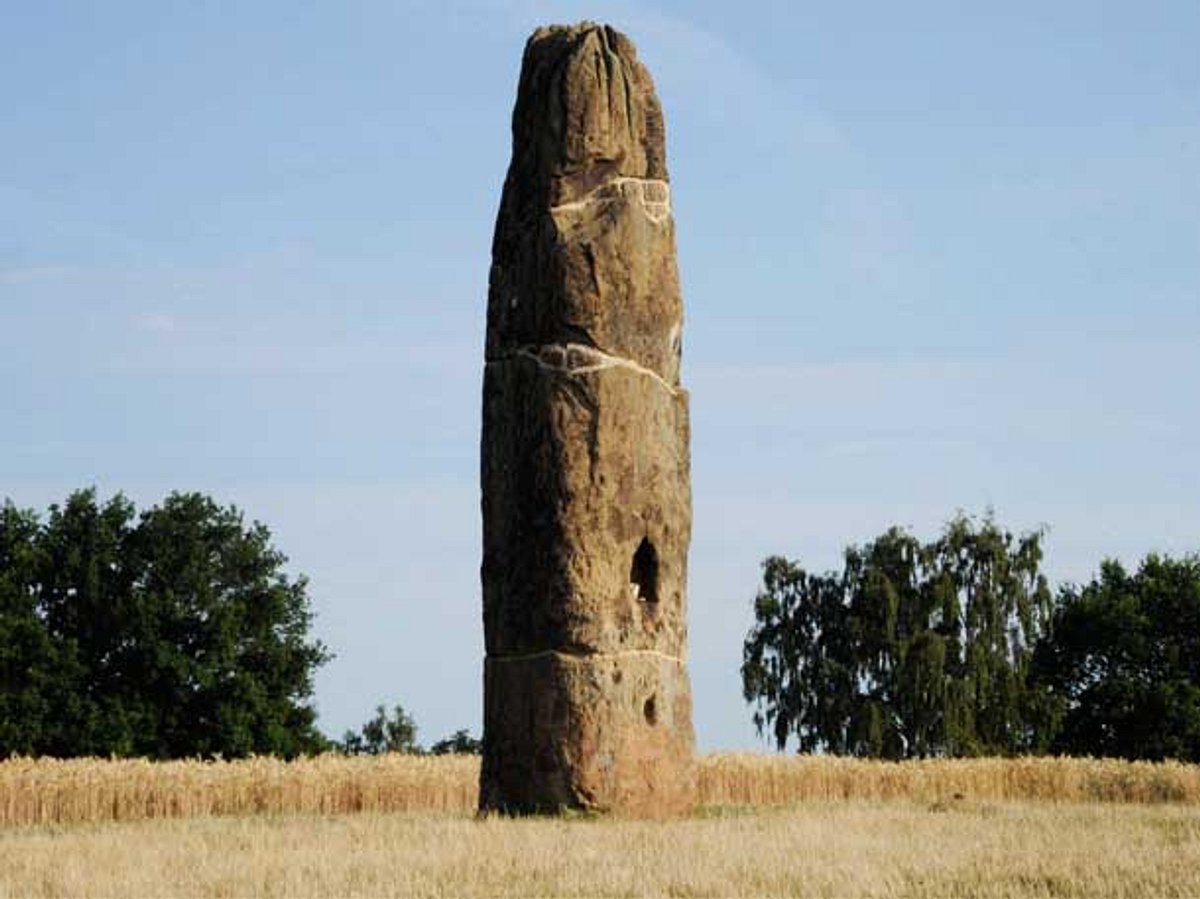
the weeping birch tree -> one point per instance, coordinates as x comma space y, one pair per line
912, 650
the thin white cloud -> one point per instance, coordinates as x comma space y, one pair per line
36, 274
160, 324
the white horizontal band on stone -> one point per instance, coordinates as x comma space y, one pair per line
577, 359
586, 656
655, 197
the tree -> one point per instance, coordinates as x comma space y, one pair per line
84, 587
396, 732
458, 743
1123, 662
176, 635
912, 650
796, 659
225, 663
28, 662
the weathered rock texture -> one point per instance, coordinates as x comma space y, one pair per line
586, 486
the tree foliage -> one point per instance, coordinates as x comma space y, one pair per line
912, 650
1123, 661
394, 732
173, 633
458, 743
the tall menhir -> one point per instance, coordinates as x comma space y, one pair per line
585, 469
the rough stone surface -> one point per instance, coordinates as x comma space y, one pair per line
585, 464
613, 733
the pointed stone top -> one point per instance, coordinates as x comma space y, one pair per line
586, 113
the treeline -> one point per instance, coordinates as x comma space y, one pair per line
176, 632
959, 647
173, 632
396, 731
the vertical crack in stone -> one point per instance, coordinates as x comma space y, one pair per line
586, 492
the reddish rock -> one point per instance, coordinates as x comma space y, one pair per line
585, 468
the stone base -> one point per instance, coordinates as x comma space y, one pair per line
603, 733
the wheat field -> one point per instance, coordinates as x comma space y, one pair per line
49, 791
768, 826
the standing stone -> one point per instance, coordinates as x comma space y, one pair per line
585, 469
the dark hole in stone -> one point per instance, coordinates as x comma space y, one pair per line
644, 572
650, 710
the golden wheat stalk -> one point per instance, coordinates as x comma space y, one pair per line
52, 791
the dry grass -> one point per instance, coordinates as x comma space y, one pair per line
91, 790
843, 849
822, 827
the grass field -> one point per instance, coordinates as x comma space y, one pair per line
768, 826
844, 849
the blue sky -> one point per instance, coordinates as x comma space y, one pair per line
935, 256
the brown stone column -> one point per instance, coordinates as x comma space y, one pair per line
585, 468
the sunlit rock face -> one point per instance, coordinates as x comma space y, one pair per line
585, 460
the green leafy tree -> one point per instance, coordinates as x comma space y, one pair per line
797, 666
912, 650
84, 588
225, 663
992, 606
174, 634
385, 732
1123, 662
458, 743
29, 666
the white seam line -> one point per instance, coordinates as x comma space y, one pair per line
586, 656
659, 213
607, 361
